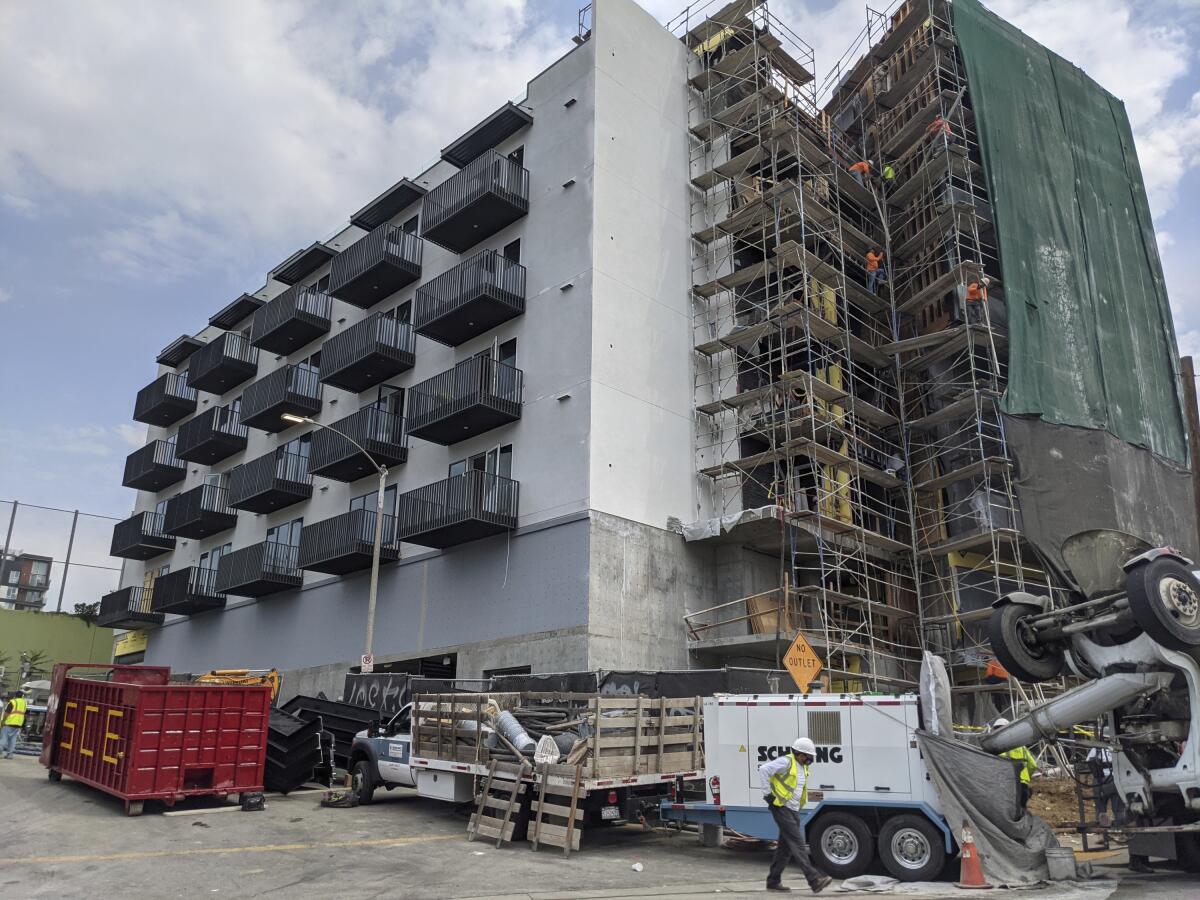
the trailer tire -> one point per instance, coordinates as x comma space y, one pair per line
841, 844
911, 848
363, 782
1164, 597
134, 808
54, 775
1024, 662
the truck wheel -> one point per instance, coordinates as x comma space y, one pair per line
1165, 600
54, 775
1025, 659
363, 782
133, 808
911, 848
841, 844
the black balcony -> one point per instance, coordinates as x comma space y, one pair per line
165, 400
367, 353
380, 432
223, 364
236, 312
212, 436
129, 607
477, 395
187, 591
260, 569
278, 479
200, 512
141, 536
296, 317
345, 543
153, 467
489, 193
460, 509
473, 297
292, 389
376, 266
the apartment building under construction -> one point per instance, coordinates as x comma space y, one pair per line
702, 381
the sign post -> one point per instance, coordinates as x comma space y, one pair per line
802, 662
368, 663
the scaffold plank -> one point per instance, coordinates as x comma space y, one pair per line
977, 469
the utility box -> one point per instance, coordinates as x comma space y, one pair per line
449, 786
130, 732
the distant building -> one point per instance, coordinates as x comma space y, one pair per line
24, 580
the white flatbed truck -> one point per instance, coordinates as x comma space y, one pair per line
869, 796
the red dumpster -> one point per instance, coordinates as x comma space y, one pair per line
136, 736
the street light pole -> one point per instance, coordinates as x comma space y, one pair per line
378, 544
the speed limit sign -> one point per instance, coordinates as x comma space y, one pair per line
368, 662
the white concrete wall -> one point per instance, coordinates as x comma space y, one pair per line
642, 387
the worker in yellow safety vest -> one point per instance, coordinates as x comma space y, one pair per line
11, 722
785, 789
1025, 759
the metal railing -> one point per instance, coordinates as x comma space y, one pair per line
279, 470
229, 347
351, 532
136, 599
491, 173
225, 420
302, 303
144, 460
369, 426
269, 560
138, 527
171, 386
293, 383
184, 509
183, 585
472, 495
486, 274
373, 334
387, 243
475, 381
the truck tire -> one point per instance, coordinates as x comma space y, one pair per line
1026, 662
134, 807
841, 844
55, 775
1165, 600
363, 781
911, 848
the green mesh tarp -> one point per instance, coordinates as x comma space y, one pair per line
1091, 340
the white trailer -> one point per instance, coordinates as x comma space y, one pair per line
869, 793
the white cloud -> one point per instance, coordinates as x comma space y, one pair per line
208, 126
5, 295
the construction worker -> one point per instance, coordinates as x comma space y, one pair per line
11, 722
785, 788
1022, 756
889, 175
861, 171
1099, 760
875, 271
938, 127
976, 296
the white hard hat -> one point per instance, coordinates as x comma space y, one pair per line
1000, 722
804, 745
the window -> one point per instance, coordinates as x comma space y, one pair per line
323, 283
212, 558
287, 534
508, 670
402, 313
291, 460
518, 155
512, 251
368, 501
14, 576
390, 399
497, 461
312, 364
411, 226
507, 352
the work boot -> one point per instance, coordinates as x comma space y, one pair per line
778, 887
821, 883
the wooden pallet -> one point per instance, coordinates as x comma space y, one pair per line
557, 812
500, 798
654, 735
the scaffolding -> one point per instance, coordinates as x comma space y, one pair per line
861, 411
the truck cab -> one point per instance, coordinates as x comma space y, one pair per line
380, 759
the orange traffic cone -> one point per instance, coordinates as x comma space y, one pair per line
972, 873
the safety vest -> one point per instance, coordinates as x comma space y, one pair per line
17, 715
1025, 758
783, 787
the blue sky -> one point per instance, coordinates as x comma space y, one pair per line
158, 157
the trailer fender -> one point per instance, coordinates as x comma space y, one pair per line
1042, 603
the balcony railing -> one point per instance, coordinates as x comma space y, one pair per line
130, 607
165, 400
259, 569
278, 479
473, 297
223, 364
488, 194
460, 509
477, 395
212, 436
200, 512
368, 353
141, 536
296, 317
345, 543
380, 432
376, 266
187, 591
153, 467
291, 389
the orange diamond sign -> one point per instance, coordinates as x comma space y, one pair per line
802, 662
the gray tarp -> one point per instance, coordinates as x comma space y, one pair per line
980, 789
935, 696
